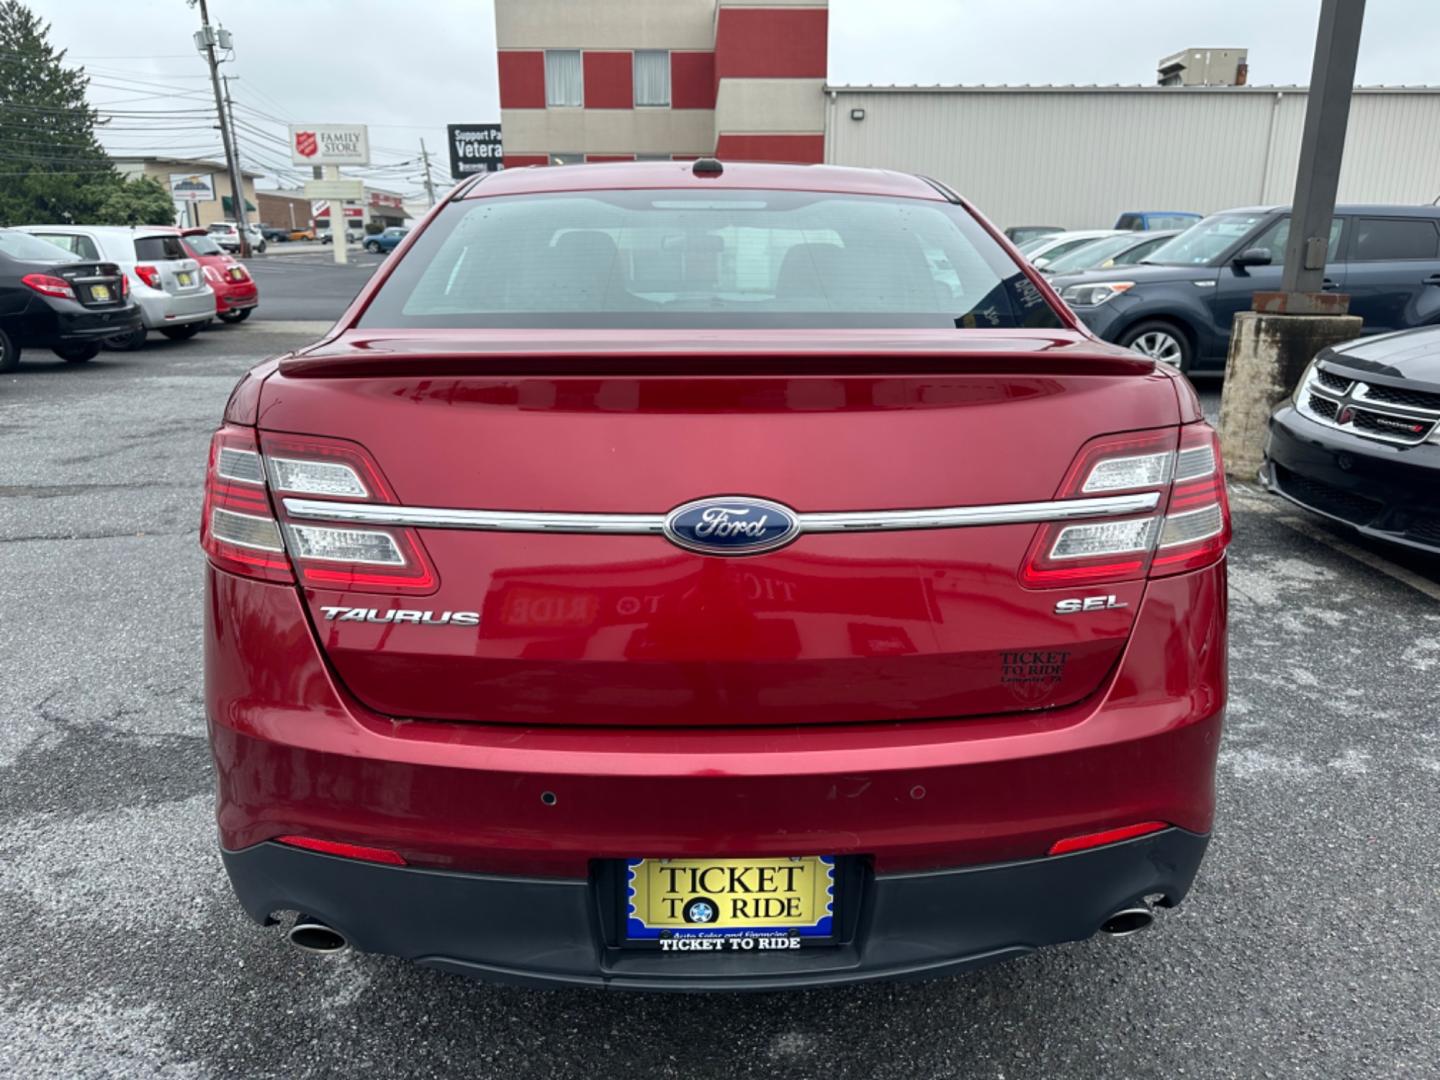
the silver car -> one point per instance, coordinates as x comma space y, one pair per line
166, 283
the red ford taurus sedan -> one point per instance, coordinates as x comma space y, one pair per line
711, 576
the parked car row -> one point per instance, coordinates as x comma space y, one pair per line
76, 288
1178, 304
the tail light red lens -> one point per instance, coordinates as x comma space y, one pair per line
150, 275
247, 529
1189, 526
1196, 530
49, 285
238, 530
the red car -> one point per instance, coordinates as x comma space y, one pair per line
236, 294
714, 576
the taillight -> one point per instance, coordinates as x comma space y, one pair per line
1187, 527
1196, 530
340, 556
324, 554
212, 275
49, 285
124, 286
150, 275
238, 530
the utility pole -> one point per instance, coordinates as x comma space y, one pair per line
205, 41
1322, 142
429, 184
241, 214
1273, 344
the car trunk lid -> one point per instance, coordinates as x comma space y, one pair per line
597, 628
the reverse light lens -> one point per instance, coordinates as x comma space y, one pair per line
1192, 526
1125, 473
1090, 295
316, 478
366, 546
245, 530
242, 466
1104, 538
1195, 463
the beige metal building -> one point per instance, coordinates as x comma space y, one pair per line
1080, 156
206, 210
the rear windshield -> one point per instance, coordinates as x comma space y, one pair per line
202, 245
158, 248
685, 258
27, 248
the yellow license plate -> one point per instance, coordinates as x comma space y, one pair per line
100, 292
185, 278
779, 898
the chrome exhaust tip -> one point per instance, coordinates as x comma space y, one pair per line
311, 935
1128, 921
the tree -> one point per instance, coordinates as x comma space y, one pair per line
52, 166
141, 201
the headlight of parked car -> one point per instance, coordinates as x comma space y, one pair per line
1296, 394
1089, 295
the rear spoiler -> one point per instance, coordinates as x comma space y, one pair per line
356, 354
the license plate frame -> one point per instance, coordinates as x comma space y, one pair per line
642, 930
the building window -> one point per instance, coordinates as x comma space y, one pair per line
564, 78
567, 159
652, 77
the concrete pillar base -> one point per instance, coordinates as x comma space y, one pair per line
1268, 354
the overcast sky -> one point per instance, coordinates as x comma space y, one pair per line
409, 67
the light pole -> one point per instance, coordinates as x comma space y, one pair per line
206, 39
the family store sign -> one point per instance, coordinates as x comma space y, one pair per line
329, 144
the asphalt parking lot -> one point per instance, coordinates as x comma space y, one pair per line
1308, 948
308, 286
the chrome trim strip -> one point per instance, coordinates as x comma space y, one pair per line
955, 517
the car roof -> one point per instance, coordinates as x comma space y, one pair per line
103, 230
1383, 209
535, 179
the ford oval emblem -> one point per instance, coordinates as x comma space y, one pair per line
731, 525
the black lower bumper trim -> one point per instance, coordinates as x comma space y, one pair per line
548, 932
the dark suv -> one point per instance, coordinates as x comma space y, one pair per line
1177, 306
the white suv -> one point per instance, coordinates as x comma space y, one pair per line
227, 235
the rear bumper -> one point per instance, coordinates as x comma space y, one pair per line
236, 301
1382, 490
162, 309
558, 932
62, 322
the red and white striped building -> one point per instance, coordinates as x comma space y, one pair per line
620, 80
